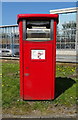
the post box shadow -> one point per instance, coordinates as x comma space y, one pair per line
62, 84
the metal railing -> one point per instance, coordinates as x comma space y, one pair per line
9, 39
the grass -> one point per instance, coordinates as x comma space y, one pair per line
65, 90
0, 87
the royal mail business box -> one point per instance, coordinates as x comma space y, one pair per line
37, 36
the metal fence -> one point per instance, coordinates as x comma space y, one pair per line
9, 38
66, 40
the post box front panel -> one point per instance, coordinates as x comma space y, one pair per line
38, 78
38, 55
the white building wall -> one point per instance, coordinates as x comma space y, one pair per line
63, 54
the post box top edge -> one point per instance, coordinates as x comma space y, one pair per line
37, 16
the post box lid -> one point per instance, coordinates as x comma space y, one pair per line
37, 16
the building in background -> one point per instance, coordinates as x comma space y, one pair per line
66, 34
10, 39
67, 30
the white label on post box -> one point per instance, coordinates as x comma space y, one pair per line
37, 54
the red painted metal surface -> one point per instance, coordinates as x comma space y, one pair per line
21, 60
37, 77
37, 16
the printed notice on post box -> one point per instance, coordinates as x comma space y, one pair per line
37, 54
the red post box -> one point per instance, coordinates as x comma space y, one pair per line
37, 36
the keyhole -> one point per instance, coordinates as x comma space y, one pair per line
26, 74
27, 67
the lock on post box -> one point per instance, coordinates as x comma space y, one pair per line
37, 36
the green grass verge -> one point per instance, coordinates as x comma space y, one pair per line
0, 86
65, 90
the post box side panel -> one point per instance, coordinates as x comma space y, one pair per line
54, 61
38, 76
21, 59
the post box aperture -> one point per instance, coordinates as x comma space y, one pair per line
38, 30
37, 55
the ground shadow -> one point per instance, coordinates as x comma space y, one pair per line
62, 84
